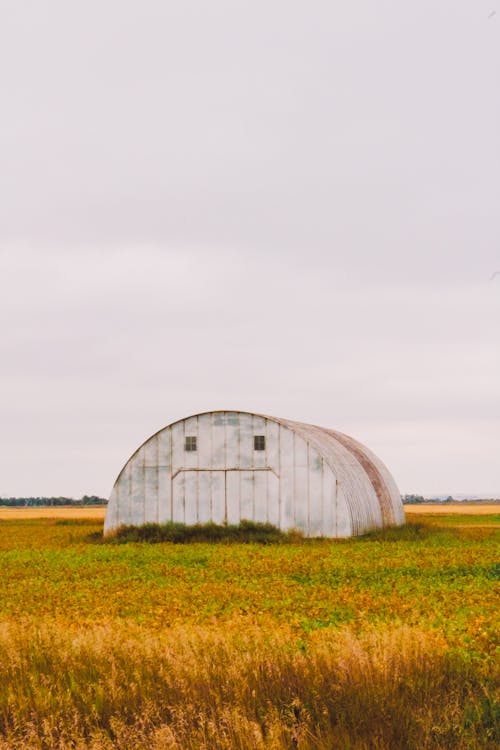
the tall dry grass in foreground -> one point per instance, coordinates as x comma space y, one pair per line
240, 686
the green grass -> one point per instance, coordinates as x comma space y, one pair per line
246, 532
438, 577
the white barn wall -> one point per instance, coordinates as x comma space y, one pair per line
305, 478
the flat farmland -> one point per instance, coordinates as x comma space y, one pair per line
458, 515
98, 512
456, 509
382, 642
62, 511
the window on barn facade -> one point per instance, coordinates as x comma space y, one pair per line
190, 443
259, 443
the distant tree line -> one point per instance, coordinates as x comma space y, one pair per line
417, 499
40, 502
413, 499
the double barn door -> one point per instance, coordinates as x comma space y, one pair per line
225, 496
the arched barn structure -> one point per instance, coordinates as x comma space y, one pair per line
226, 466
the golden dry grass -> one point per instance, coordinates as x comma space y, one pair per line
463, 509
239, 688
63, 511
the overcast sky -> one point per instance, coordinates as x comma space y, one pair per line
284, 207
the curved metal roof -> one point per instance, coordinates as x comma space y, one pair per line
333, 446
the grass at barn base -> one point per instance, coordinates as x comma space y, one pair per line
245, 532
387, 641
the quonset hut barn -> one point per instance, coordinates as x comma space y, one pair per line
226, 466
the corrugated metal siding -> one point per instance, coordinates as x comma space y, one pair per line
352, 481
309, 478
375, 477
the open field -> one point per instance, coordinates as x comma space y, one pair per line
98, 512
389, 641
457, 515
462, 509
63, 511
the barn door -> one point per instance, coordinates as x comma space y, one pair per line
199, 496
252, 495
225, 496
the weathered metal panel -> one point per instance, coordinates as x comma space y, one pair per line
136, 509
232, 447
204, 461
164, 498
218, 492
344, 523
273, 493
204, 441
358, 491
233, 496
287, 495
315, 492
204, 502
151, 494
191, 497
232, 440
178, 494
190, 458
360, 453
260, 496
125, 508
150, 450
259, 428
218, 460
178, 452
273, 446
273, 461
151, 480
329, 505
301, 484
247, 490
392, 510
246, 441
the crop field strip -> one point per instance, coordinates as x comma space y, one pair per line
247, 646
453, 509
98, 512
62, 511
58, 569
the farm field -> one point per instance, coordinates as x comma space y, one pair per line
387, 641
454, 509
99, 511
62, 511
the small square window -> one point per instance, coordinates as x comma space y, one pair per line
190, 443
259, 443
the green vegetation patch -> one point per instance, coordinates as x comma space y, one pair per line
435, 577
245, 532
